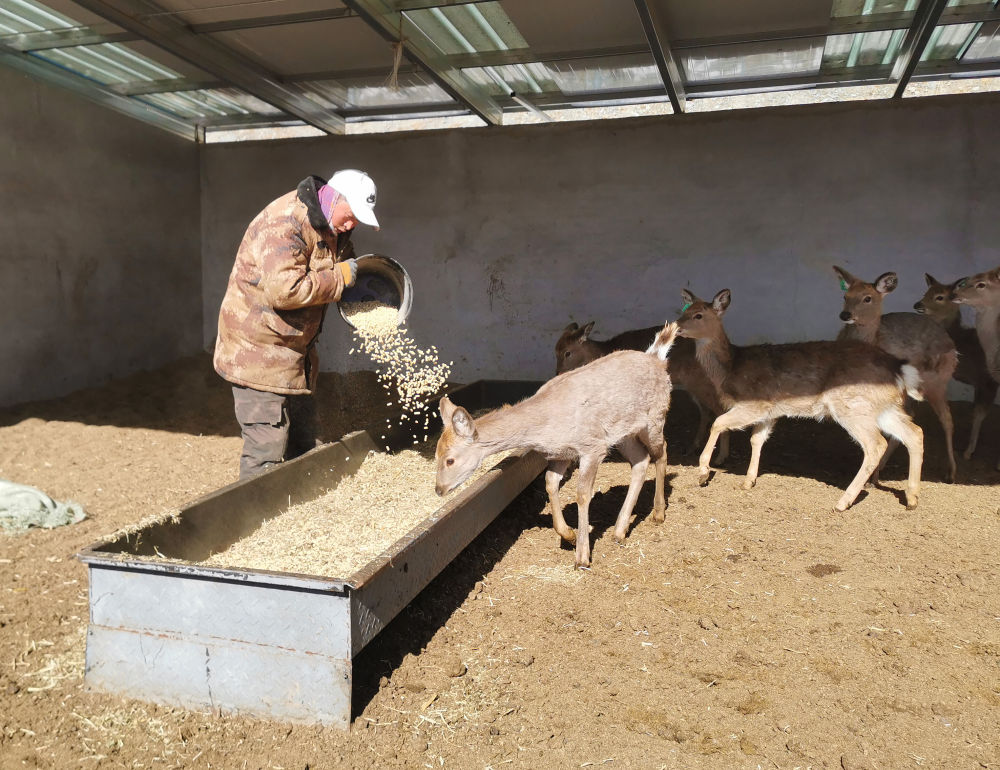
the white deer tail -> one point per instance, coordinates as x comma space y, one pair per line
664, 341
910, 381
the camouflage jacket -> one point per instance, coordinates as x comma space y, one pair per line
278, 292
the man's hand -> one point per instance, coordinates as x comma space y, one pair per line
349, 269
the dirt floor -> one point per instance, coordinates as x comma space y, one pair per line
750, 630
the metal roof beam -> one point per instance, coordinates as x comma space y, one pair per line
912, 47
66, 38
276, 20
388, 23
212, 57
165, 86
57, 76
422, 5
659, 46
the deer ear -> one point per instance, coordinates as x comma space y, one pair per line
846, 279
930, 279
461, 422
571, 328
586, 330
886, 283
721, 301
688, 297
446, 408
995, 275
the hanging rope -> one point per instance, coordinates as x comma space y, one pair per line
397, 58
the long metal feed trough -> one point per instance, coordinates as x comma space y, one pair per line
272, 644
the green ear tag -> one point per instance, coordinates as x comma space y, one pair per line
843, 285
686, 307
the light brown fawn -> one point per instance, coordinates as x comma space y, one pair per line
620, 400
981, 292
575, 347
858, 385
972, 370
913, 338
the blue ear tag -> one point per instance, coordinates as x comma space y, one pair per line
843, 285
686, 307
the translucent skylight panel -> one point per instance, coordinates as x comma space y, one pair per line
210, 103
865, 49
948, 41
986, 45
468, 28
618, 73
25, 16
869, 7
107, 63
369, 93
739, 62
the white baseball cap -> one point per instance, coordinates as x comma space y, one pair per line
359, 189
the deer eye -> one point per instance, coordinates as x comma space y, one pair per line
868, 299
450, 461
566, 354
697, 316
939, 298
980, 285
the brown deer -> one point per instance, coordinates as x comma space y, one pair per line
981, 292
620, 400
910, 337
575, 347
936, 304
858, 385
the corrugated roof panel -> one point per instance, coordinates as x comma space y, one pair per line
107, 63
753, 60
986, 45
25, 16
414, 89
209, 103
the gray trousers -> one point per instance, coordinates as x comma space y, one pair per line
275, 428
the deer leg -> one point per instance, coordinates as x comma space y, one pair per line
584, 492
632, 450
553, 478
892, 447
873, 444
898, 424
658, 453
705, 419
736, 418
938, 399
723, 455
986, 394
761, 432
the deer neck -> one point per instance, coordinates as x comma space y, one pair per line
862, 332
508, 428
715, 357
988, 332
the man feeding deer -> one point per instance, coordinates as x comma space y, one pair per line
295, 259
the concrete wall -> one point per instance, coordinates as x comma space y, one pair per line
99, 243
510, 233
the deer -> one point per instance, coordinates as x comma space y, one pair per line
913, 338
981, 292
620, 400
575, 347
937, 305
860, 386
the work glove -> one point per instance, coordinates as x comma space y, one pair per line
349, 269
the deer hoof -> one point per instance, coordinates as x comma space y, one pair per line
950, 477
569, 536
967, 454
659, 516
703, 478
748, 484
911, 503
